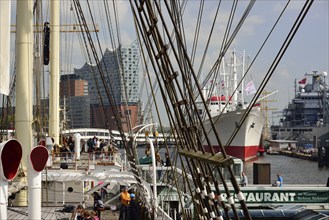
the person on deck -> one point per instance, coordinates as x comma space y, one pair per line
125, 199
168, 172
168, 162
159, 163
87, 215
98, 204
79, 213
90, 144
133, 210
279, 181
94, 215
244, 179
105, 151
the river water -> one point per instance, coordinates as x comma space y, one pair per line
293, 170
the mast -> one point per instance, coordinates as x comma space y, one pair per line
226, 83
24, 82
235, 80
54, 71
5, 47
242, 77
323, 87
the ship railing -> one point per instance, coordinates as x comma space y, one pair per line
71, 160
167, 199
65, 160
106, 158
164, 174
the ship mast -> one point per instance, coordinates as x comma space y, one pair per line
54, 71
24, 88
235, 79
325, 102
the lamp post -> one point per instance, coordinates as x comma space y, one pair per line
137, 126
153, 167
154, 178
136, 135
131, 135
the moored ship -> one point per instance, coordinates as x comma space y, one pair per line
227, 111
247, 141
307, 115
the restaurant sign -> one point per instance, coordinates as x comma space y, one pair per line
292, 196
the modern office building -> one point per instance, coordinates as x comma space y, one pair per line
119, 81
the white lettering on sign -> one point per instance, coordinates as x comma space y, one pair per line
269, 197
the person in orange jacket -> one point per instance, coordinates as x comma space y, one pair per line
125, 199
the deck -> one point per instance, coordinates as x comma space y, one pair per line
55, 213
46, 213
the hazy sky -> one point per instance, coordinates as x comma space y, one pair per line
308, 51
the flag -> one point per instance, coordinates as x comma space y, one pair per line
222, 84
4, 46
250, 88
303, 81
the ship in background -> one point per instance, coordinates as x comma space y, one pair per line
226, 111
307, 115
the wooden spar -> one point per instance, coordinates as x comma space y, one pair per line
54, 72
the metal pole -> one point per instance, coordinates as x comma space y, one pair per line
137, 126
142, 129
24, 87
154, 167
155, 202
49, 146
3, 199
34, 183
77, 147
54, 71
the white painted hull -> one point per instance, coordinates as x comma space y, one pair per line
246, 143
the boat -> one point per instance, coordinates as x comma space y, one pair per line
177, 78
247, 141
307, 114
227, 111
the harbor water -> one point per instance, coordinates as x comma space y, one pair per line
293, 170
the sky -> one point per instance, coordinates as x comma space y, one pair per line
308, 51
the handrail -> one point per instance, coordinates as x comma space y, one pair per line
93, 158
